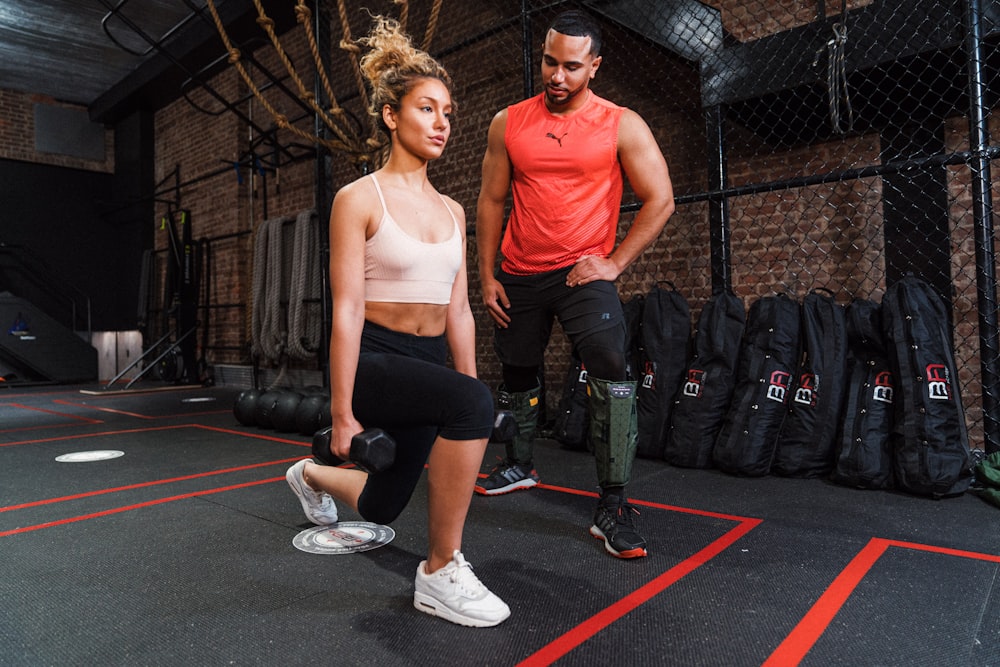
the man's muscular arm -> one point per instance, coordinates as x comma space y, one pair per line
489, 217
647, 173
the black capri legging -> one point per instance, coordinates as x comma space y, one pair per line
404, 387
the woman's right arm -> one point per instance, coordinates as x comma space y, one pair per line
349, 220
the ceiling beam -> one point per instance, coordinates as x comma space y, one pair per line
159, 80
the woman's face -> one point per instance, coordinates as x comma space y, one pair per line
422, 125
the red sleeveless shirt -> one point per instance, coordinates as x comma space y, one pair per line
566, 184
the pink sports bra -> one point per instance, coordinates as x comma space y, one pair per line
402, 269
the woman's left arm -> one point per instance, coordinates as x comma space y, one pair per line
461, 326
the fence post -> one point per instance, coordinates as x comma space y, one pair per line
982, 211
718, 205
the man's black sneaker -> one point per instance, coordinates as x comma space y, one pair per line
507, 476
614, 523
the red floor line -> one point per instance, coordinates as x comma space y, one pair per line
803, 636
992, 558
78, 436
646, 503
147, 429
109, 410
142, 485
176, 415
52, 412
590, 627
22, 429
547, 654
258, 436
563, 489
14, 394
128, 508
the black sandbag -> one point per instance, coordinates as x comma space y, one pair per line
769, 355
572, 422
808, 435
863, 454
701, 403
634, 355
930, 439
661, 351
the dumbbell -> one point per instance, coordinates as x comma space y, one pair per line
504, 427
372, 450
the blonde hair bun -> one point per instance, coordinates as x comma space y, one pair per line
392, 64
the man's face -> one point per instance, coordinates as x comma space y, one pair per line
567, 68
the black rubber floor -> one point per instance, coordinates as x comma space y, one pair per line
179, 552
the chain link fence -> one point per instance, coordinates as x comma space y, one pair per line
837, 145
811, 145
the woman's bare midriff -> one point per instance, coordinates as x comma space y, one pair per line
417, 319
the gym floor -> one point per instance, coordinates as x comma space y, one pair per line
180, 552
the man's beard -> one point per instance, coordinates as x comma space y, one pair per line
554, 101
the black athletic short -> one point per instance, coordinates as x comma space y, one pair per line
537, 299
404, 387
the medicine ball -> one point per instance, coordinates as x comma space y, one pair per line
283, 417
307, 413
264, 408
245, 405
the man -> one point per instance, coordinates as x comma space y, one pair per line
561, 154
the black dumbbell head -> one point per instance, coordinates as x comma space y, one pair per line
373, 450
321, 448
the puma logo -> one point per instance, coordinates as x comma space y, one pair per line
558, 139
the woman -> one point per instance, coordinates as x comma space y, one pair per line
400, 303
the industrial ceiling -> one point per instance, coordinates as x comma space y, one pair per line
114, 56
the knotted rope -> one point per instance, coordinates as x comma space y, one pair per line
304, 323
838, 96
363, 151
269, 335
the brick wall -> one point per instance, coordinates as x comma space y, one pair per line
787, 240
747, 21
17, 134
790, 240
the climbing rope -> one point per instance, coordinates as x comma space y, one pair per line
431, 25
836, 79
268, 338
352, 49
286, 317
304, 16
304, 326
259, 279
362, 152
273, 336
280, 119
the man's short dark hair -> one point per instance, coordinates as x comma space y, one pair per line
577, 23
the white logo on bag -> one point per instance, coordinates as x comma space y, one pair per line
649, 376
883, 387
778, 386
692, 387
806, 391
938, 386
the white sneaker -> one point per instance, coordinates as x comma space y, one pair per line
455, 594
317, 505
